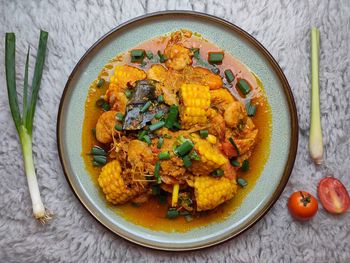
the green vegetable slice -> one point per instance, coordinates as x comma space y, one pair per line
172, 213
160, 99
160, 142
245, 166
164, 155
243, 86
234, 162
172, 116
217, 173
234, 145
242, 182
97, 150
128, 93
120, 116
100, 159
100, 83
203, 133
162, 57
215, 57
137, 55
118, 127
147, 139
184, 148
250, 108
187, 161
146, 106
156, 172
229, 75
156, 126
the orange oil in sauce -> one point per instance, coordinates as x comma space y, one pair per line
152, 214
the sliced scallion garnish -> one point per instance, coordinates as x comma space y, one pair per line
97, 150
164, 155
100, 83
229, 75
245, 166
156, 126
234, 145
243, 86
250, 108
184, 148
172, 213
203, 133
215, 57
156, 172
172, 116
160, 142
242, 182
217, 173
187, 161
162, 57
120, 116
146, 106
118, 127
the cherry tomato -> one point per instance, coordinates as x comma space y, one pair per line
302, 205
333, 195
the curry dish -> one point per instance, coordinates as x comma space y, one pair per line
175, 128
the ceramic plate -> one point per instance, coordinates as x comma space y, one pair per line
232, 39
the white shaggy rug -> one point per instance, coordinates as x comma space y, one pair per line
73, 235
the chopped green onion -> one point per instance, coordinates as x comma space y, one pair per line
100, 83
143, 64
245, 166
215, 70
188, 218
118, 127
147, 139
172, 213
162, 57
243, 86
156, 172
184, 148
315, 139
234, 145
164, 155
142, 134
155, 189
93, 130
120, 116
94, 163
203, 133
149, 54
137, 55
242, 182
167, 136
160, 99
128, 93
156, 126
195, 52
194, 156
187, 161
217, 173
103, 104
176, 125
229, 75
100, 159
146, 106
24, 123
158, 115
172, 116
215, 57
234, 162
250, 108
97, 150
160, 142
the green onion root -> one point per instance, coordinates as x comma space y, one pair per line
315, 140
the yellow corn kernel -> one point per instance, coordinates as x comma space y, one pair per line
195, 100
211, 191
175, 195
210, 157
113, 186
211, 138
124, 74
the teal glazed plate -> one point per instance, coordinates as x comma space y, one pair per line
284, 137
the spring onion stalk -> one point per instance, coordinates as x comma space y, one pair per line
24, 123
315, 140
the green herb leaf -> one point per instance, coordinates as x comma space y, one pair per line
160, 142
187, 161
164, 156
217, 173
100, 83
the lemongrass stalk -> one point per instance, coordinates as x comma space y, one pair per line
315, 139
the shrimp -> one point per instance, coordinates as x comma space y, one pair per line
105, 126
178, 57
234, 113
217, 123
116, 98
157, 72
221, 99
208, 78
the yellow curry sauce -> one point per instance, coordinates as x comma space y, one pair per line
152, 214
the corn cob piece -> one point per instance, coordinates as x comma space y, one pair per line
211, 192
210, 157
124, 74
113, 185
195, 100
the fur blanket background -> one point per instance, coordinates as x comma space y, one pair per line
73, 235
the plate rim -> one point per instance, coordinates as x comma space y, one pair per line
287, 92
